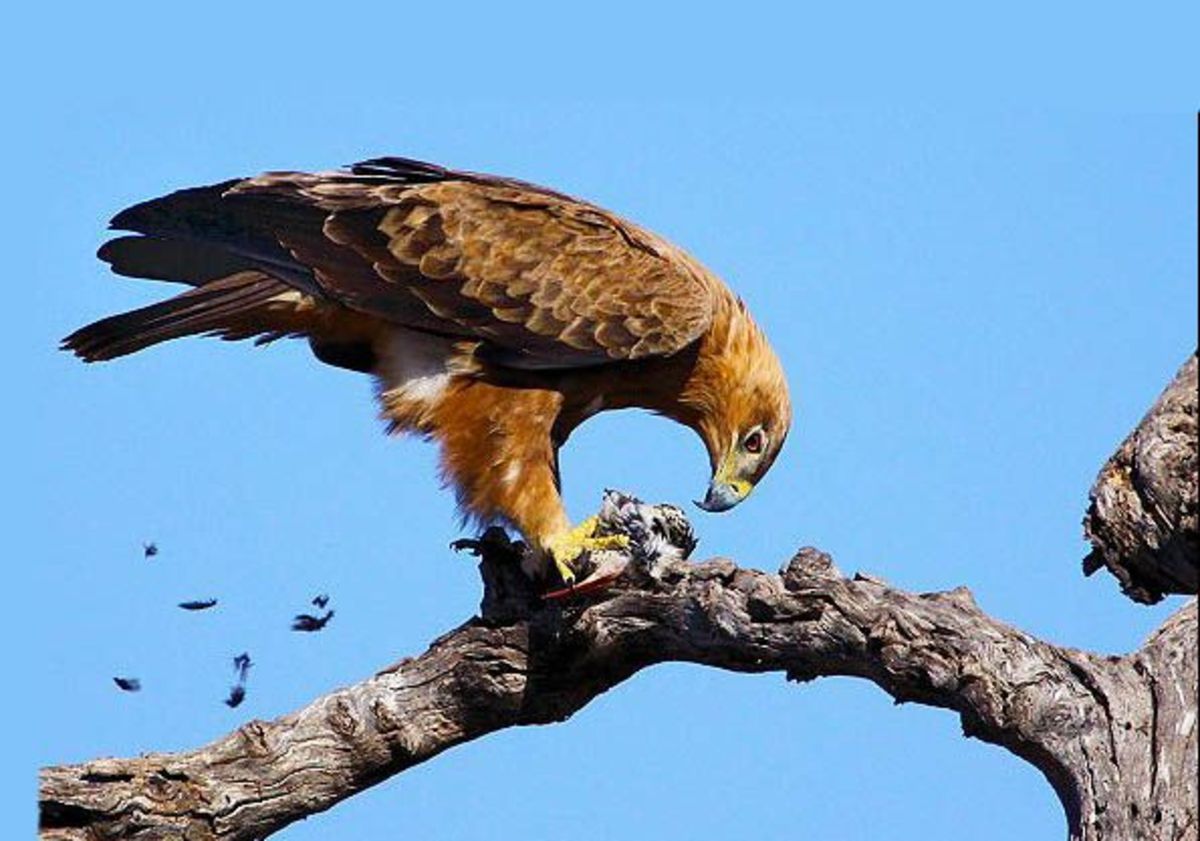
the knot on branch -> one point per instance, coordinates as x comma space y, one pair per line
808, 566
960, 596
1143, 517
509, 595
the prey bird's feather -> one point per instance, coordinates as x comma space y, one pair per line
198, 604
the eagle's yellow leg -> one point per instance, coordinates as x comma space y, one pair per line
500, 454
566, 547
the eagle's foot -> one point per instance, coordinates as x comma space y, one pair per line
566, 548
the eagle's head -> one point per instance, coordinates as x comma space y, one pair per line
742, 409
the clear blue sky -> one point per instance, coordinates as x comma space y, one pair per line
974, 306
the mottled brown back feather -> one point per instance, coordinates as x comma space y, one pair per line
542, 280
545, 280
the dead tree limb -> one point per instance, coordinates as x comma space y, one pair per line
1144, 514
1115, 736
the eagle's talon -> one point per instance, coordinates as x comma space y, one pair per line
564, 572
608, 541
567, 548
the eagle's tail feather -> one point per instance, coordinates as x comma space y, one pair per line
223, 307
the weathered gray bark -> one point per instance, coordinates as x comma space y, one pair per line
1115, 736
1143, 515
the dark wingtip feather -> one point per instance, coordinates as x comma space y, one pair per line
408, 170
413, 171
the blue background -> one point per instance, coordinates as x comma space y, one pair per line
978, 280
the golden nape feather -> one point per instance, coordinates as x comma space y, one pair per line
494, 315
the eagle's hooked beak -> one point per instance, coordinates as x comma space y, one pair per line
724, 491
728, 487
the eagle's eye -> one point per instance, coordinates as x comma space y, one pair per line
753, 443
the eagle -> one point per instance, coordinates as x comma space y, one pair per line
494, 315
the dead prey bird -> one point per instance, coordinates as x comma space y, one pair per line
128, 684
656, 538
309, 623
202, 604
320, 601
149, 550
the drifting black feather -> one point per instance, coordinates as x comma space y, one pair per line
241, 665
309, 623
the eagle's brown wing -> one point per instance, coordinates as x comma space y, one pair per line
544, 280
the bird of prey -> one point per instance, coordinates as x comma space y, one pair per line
149, 550
494, 315
128, 684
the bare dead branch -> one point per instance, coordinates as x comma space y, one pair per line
1115, 736
1083, 720
1144, 513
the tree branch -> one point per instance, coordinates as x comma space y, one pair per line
1081, 719
1115, 736
1144, 514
